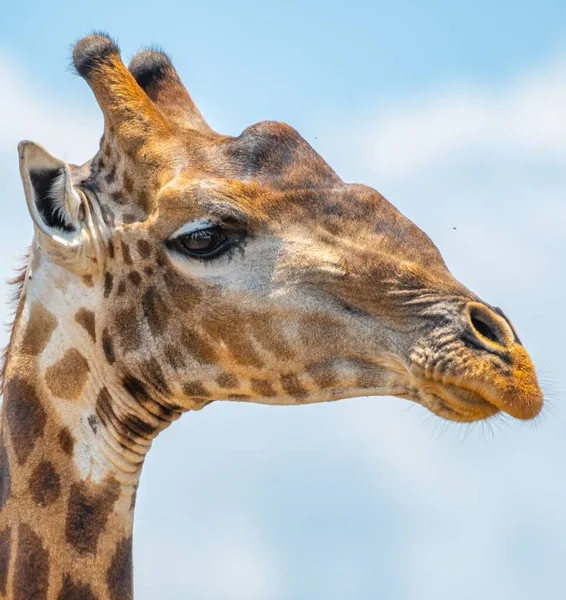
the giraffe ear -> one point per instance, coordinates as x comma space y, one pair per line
54, 204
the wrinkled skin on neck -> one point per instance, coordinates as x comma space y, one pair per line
180, 267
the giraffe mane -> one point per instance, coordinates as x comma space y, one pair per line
16, 285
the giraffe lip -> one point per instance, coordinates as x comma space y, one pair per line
456, 403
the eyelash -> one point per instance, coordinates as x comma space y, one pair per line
226, 245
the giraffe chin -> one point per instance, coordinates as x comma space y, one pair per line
457, 404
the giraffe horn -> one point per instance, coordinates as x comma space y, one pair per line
154, 72
125, 106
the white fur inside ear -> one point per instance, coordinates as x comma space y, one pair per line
66, 201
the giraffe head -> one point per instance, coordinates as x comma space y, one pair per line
244, 268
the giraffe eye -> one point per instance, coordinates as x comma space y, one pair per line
203, 243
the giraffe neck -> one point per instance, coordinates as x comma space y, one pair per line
67, 486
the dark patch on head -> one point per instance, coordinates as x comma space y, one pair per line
134, 277
148, 271
88, 510
5, 477
119, 573
25, 415
195, 388
144, 248
45, 484
126, 254
110, 177
155, 310
93, 52
88, 280
75, 591
227, 381
66, 441
85, 318
111, 253
108, 347
292, 386
108, 280
5, 545
31, 569
262, 388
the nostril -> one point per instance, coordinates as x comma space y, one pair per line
484, 329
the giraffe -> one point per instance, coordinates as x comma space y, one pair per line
180, 267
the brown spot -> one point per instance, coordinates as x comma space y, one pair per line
118, 197
198, 346
185, 295
173, 357
233, 330
126, 255
108, 280
144, 248
148, 271
227, 381
66, 441
129, 218
134, 277
39, 329
75, 591
121, 288
262, 388
128, 329
108, 347
110, 177
267, 333
119, 573
85, 318
67, 377
45, 484
5, 536
292, 386
153, 374
127, 184
195, 388
238, 397
5, 478
31, 570
110, 249
88, 510
88, 281
323, 377
25, 415
155, 311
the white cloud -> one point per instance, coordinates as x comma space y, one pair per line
527, 116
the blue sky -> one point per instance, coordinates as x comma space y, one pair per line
457, 113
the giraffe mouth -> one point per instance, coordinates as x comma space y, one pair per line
455, 403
